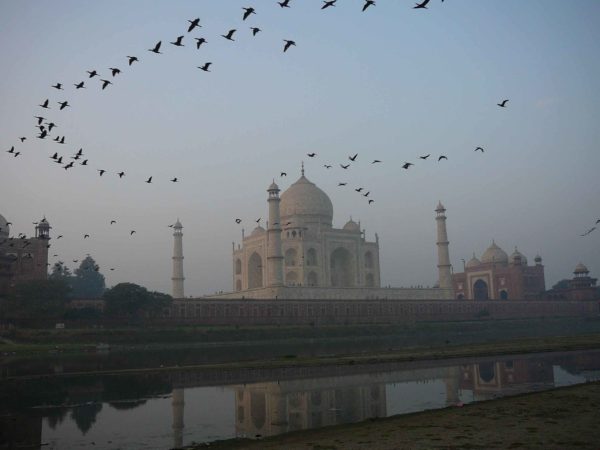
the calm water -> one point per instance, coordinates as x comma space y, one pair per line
162, 410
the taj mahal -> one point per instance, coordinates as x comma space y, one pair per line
301, 255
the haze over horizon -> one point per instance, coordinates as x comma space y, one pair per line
391, 83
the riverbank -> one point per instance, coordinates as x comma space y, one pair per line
556, 419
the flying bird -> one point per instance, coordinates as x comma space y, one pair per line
358, 189
205, 67
229, 35
375, 161
63, 105
344, 166
121, 174
194, 23
177, 42
255, 30
367, 4
371, 201
503, 103
353, 158
421, 5
327, 4
442, 157
311, 155
288, 44
132, 59
248, 12
283, 174
92, 73
174, 180
366, 194
199, 42
45, 104
149, 180
238, 221
105, 83
79, 85
84, 163
588, 231
68, 166
327, 166
257, 220
424, 157
113, 222
40, 119
406, 165
131, 232
284, 3
114, 71
342, 184
102, 171
58, 86
156, 48
479, 149
12, 150
85, 236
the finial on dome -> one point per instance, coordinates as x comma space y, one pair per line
302, 169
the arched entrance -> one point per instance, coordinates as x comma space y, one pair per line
341, 268
255, 271
238, 267
370, 280
313, 279
503, 295
291, 257
311, 257
480, 290
291, 278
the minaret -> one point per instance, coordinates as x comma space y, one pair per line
274, 255
177, 261
445, 278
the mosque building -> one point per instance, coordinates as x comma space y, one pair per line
497, 276
23, 258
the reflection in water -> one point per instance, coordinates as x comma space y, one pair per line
171, 409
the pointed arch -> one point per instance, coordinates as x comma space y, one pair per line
255, 271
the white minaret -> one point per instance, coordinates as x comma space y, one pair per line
177, 278
445, 280
274, 255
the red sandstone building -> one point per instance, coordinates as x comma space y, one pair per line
580, 287
23, 258
500, 277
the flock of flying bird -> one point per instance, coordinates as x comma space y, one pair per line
46, 126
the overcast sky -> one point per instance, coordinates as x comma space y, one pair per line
391, 83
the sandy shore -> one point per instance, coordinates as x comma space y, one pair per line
562, 418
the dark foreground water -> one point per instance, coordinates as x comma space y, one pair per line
162, 410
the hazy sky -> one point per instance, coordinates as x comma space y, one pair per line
391, 83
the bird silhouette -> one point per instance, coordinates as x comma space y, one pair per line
597, 221
229, 35
375, 161
92, 73
121, 174
358, 189
283, 174
588, 231
79, 85
85, 236
149, 180
59, 160
131, 233
112, 222
342, 184
284, 3
58, 86
12, 150
84, 163
287, 45
406, 165
248, 12
479, 149
421, 5
366, 194
344, 166
156, 48
353, 158
371, 201
177, 42
311, 155
367, 4
255, 30
102, 171
40, 119
205, 67
45, 104
174, 180
132, 59
327, 4
503, 103
16, 154
194, 23
238, 221
442, 157
114, 71
199, 42
105, 83
63, 105
327, 166
257, 220
425, 156
68, 166
79, 152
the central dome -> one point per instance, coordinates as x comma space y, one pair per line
304, 198
494, 254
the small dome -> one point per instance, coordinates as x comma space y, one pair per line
304, 198
4, 228
43, 223
580, 268
494, 254
473, 262
257, 231
516, 256
351, 225
273, 187
177, 224
538, 259
440, 207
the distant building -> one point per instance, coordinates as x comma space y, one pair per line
500, 277
23, 258
580, 287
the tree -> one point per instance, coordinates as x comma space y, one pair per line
60, 272
88, 282
38, 299
131, 300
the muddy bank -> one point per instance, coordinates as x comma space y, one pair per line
556, 419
